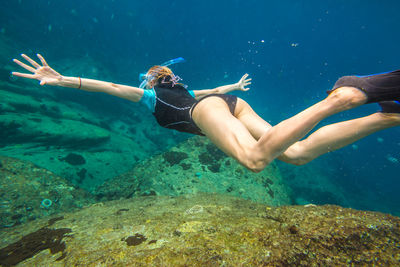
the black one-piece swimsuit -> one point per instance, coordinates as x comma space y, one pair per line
174, 105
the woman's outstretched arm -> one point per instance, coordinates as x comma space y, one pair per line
46, 75
240, 85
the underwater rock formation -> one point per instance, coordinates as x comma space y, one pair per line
43, 131
28, 192
197, 165
208, 230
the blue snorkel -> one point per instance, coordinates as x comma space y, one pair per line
173, 61
143, 76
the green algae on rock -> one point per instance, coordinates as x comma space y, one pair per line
174, 157
215, 230
24, 186
197, 165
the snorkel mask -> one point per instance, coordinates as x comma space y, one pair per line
146, 78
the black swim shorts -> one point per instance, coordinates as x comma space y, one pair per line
230, 100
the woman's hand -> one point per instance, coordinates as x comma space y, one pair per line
243, 82
44, 74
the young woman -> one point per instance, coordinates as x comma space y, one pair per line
232, 125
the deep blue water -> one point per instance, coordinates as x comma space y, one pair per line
293, 50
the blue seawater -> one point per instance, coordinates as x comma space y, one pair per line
293, 50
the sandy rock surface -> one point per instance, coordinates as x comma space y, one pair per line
205, 230
193, 166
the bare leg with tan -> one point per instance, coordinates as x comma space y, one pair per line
338, 135
327, 138
233, 137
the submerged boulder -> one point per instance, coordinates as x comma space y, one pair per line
197, 165
44, 131
206, 230
28, 192
25, 119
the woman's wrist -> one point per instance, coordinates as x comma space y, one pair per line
73, 82
235, 87
227, 88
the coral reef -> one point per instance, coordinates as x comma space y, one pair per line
211, 230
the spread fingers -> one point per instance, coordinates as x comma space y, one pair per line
31, 61
25, 75
42, 60
24, 65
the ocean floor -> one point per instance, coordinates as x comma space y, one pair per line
204, 230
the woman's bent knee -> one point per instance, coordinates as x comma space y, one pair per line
255, 162
256, 167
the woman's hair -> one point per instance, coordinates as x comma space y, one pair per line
159, 73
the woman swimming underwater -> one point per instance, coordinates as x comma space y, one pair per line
232, 125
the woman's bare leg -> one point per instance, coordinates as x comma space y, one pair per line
256, 125
338, 135
325, 139
276, 140
229, 134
